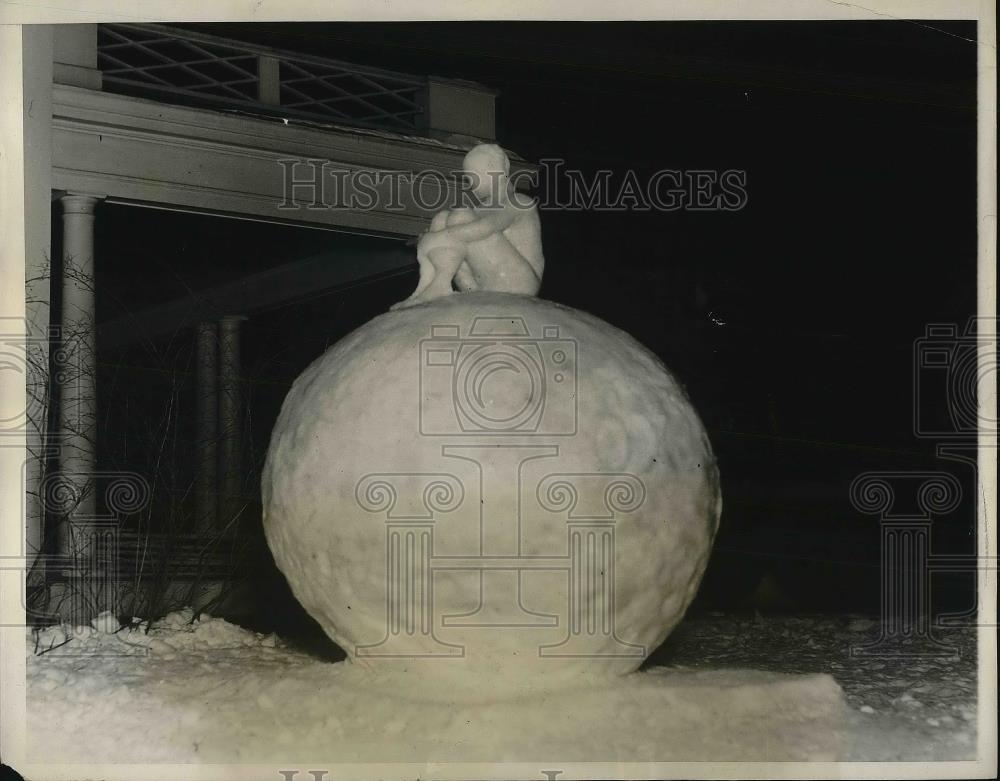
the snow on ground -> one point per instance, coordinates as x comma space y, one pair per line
923, 708
732, 688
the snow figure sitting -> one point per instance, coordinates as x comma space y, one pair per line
496, 245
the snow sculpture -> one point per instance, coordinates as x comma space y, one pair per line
485, 483
495, 246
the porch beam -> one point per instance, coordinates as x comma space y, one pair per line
290, 171
268, 289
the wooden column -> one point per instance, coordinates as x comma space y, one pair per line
230, 419
207, 411
78, 384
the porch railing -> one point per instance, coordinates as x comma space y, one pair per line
186, 67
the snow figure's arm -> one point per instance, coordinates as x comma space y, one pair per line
486, 222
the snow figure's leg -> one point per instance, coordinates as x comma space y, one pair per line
465, 279
427, 272
445, 261
446, 256
428, 269
495, 264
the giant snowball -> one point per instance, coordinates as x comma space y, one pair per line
491, 483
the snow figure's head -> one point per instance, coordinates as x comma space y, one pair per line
487, 170
491, 485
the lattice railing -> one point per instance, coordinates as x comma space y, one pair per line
188, 67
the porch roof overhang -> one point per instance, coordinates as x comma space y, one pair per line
149, 153
288, 283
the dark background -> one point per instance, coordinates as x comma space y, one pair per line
791, 322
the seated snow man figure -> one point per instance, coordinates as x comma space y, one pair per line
496, 245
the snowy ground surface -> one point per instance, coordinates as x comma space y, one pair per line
922, 708
729, 688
